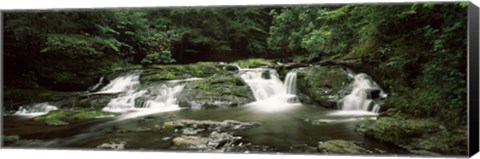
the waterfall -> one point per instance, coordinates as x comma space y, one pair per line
365, 96
35, 109
139, 101
291, 82
121, 84
271, 94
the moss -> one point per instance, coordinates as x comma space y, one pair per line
203, 86
396, 130
419, 133
63, 117
254, 63
55, 122
17, 97
341, 147
172, 72
320, 83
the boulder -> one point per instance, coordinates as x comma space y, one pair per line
209, 125
322, 85
212, 142
422, 136
341, 147
65, 116
113, 145
220, 90
172, 72
90, 101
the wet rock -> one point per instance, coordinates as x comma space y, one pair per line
13, 98
210, 125
322, 86
157, 73
220, 90
341, 147
232, 68
214, 141
120, 145
92, 101
423, 136
303, 148
10, 139
64, 116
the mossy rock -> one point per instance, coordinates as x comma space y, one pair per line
322, 85
10, 139
255, 63
397, 130
64, 116
341, 147
17, 97
419, 135
220, 90
172, 72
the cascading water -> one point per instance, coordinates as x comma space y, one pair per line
35, 110
365, 96
143, 101
122, 84
271, 94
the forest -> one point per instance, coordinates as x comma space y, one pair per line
196, 78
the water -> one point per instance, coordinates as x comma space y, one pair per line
271, 94
137, 101
366, 95
305, 125
35, 109
121, 84
285, 122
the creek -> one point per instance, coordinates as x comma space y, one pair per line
286, 124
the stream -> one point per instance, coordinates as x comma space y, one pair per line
285, 124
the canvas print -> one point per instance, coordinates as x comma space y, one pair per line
350, 79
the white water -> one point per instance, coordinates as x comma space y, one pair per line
357, 102
271, 94
122, 84
158, 99
35, 110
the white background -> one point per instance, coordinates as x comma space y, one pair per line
63, 154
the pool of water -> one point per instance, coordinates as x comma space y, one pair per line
302, 125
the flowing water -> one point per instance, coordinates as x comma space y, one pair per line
35, 109
285, 121
365, 97
271, 94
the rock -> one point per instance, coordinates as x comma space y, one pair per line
10, 139
210, 125
232, 68
341, 147
214, 141
64, 116
424, 136
220, 90
255, 63
322, 85
303, 148
89, 101
13, 98
113, 145
172, 72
